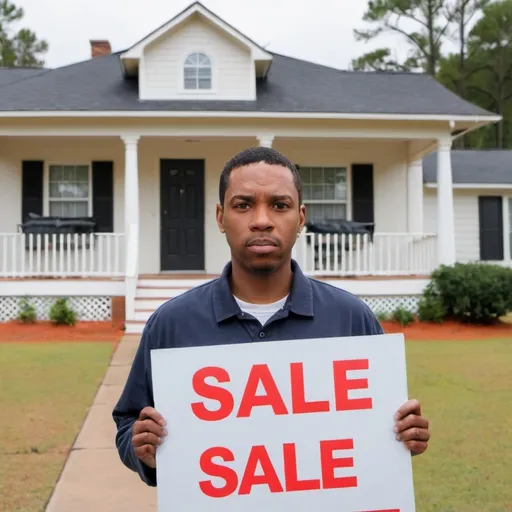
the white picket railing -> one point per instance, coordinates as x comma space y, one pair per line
62, 255
383, 254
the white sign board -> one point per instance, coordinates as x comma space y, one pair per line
304, 424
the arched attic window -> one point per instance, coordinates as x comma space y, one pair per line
197, 72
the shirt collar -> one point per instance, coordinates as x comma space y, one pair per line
300, 300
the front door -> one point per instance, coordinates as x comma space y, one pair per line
182, 215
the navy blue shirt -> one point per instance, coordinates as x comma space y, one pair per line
209, 315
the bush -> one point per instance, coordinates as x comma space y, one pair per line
27, 313
62, 314
382, 316
403, 316
477, 293
431, 309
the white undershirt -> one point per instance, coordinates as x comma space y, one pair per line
263, 312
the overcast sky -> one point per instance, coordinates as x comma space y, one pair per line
317, 30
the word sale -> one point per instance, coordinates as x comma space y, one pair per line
260, 375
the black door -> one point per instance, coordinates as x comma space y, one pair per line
182, 214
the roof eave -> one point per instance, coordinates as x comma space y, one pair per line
136, 51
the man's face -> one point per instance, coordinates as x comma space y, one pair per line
261, 216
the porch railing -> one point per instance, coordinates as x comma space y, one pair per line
62, 255
383, 254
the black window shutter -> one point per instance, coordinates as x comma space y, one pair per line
32, 172
362, 193
491, 227
103, 196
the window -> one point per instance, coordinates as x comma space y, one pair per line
510, 227
324, 192
68, 190
197, 72
495, 223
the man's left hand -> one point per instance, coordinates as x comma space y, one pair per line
411, 427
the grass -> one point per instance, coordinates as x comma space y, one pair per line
465, 389
466, 392
45, 392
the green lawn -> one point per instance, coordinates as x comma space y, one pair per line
465, 388
466, 391
45, 392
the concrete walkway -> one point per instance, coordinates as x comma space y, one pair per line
94, 479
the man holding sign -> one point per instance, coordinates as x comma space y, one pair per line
262, 295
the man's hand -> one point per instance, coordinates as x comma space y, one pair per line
411, 427
148, 432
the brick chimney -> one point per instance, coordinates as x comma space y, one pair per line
100, 47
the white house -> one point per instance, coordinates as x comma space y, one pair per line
482, 202
136, 141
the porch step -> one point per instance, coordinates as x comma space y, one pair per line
171, 283
158, 293
134, 327
151, 293
150, 303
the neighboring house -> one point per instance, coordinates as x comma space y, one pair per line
136, 141
482, 198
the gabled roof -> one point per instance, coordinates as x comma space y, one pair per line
134, 53
292, 86
474, 166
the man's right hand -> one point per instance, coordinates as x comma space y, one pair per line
148, 432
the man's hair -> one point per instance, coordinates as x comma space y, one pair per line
254, 155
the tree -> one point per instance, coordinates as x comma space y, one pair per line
21, 49
431, 18
483, 73
456, 70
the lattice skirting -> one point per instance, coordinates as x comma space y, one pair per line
388, 304
86, 308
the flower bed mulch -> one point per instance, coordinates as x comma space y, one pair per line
448, 331
108, 332
45, 331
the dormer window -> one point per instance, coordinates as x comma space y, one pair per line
197, 72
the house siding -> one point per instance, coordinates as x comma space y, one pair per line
162, 69
389, 179
467, 233
55, 151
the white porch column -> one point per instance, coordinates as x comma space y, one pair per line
131, 181
445, 216
265, 140
415, 197
131, 223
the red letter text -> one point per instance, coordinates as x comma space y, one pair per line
299, 404
261, 373
329, 464
213, 392
342, 385
212, 469
292, 481
269, 476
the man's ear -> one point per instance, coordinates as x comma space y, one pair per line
302, 218
220, 217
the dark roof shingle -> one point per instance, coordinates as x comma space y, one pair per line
12, 75
292, 85
481, 166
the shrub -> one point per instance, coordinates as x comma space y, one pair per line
62, 314
431, 309
403, 316
382, 316
477, 293
27, 313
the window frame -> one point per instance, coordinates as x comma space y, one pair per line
181, 74
46, 184
507, 226
347, 201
